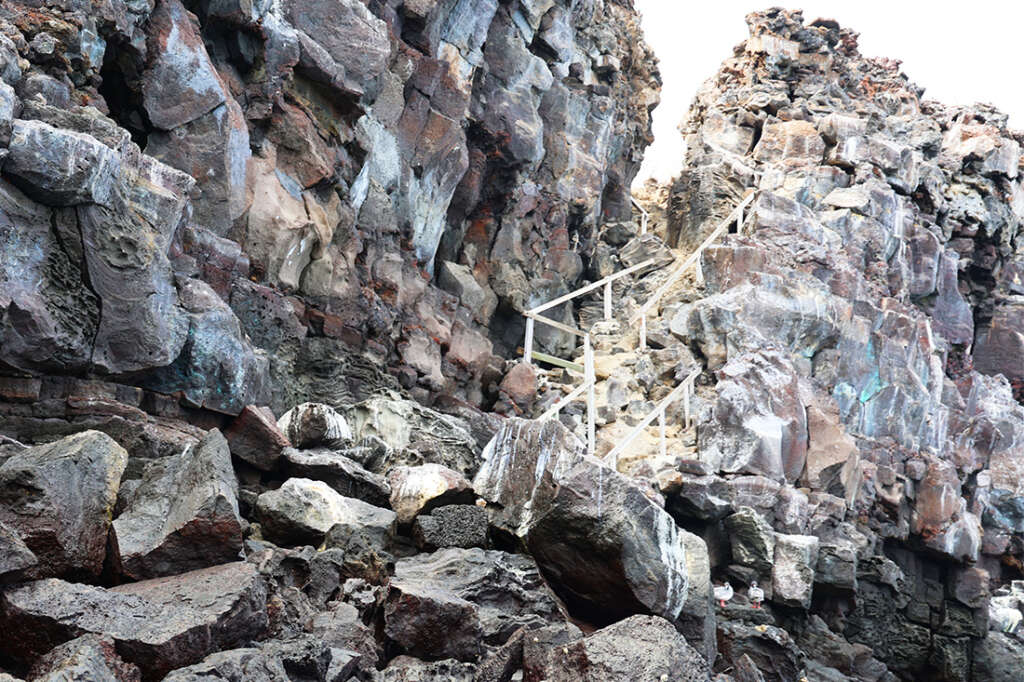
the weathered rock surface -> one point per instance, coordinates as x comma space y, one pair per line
182, 516
639, 647
89, 657
417, 490
158, 624
302, 511
59, 499
485, 597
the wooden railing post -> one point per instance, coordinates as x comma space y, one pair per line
590, 376
608, 301
686, 405
643, 222
661, 429
528, 341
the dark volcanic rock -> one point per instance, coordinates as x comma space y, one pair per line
303, 658
637, 648
458, 525
84, 659
254, 437
344, 475
15, 556
183, 515
158, 624
484, 598
60, 498
608, 548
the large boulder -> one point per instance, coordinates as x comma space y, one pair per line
158, 624
311, 424
89, 657
758, 423
417, 490
61, 167
302, 511
519, 467
60, 499
183, 515
414, 433
607, 547
637, 648
484, 597
796, 558
343, 474
254, 437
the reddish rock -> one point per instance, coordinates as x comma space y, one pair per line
255, 437
520, 385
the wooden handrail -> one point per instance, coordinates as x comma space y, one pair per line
686, 389
691, 259
644, 215
590, 287
556, 324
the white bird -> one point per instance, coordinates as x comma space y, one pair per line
756, 595
723, 593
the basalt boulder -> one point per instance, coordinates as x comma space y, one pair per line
59, 498
183, 515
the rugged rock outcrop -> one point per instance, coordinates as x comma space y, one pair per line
311, 226
852, 321
215, 201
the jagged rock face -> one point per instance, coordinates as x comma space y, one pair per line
210, 199
857, 325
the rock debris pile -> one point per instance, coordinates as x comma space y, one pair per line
261, 275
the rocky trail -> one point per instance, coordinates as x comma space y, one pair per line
268, 275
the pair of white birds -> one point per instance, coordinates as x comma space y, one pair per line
724, 593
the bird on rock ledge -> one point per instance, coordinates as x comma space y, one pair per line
756, 595
723, 593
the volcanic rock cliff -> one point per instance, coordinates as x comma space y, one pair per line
238, 203
262, 270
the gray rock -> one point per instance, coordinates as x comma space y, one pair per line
311, 424
459, 525
519, 466
338, 471
415, 434
60, 498
15, 555
459, 280
607, 547
758, 424
637, 648
752, 538
796, 557
484, 598
61, 167
183, 516
276, 660
158, 625
302, 511
83, 659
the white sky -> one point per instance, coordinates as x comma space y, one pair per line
960, 52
